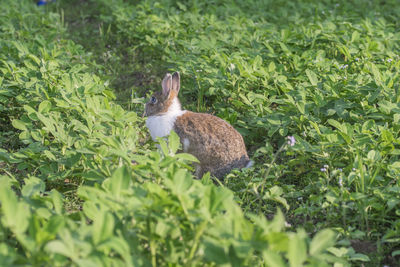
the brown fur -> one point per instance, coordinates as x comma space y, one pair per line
170, 89
162, 104
214, 142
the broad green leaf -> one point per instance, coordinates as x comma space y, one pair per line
312, 77
337, 125
57, 199
274, 194
376, 73
186, 156
297, 251
273, 259
182, 182
395, 253
271, 67
33, 186
59, 247
20, 125
103, 226
173, 142
49, 155
54, 224
360, 257
15, 214
163, 145
121, 246
395, 165
322, 240
119, 181
44, 107
216, 198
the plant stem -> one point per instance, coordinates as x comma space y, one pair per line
270, 167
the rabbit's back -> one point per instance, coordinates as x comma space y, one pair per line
217, 145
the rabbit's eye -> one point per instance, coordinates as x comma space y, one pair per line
153, 100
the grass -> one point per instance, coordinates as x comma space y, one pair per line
323, 72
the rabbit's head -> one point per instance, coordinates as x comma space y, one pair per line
160, 101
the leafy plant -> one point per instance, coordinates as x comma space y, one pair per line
82, 185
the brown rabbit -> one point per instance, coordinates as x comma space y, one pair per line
213, 141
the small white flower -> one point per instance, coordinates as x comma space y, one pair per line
323, 169
340, 169
326, 166
291, 140
353, 169
389, 60
357, 59
341, 182
344, 67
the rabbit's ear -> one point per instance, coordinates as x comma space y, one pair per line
176, 82
166, 84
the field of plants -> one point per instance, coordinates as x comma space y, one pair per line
313, 87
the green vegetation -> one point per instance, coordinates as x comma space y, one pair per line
82, 184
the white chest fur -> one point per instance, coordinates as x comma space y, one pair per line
160, 126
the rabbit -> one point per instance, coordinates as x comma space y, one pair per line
214, 142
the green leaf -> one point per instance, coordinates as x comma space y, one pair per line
33, 186
20, 125
374, 155
186, 156
173, 141
163, 145
322, 240
103, 226
54, 224
272, 259
57, 199
15, 214
49, 155
395, 165
271, 67
182, 182
395, 253
312, 77
119, 245
119, 181
359, 257
336, 124
215, 199
274, 194
59, 247
297, 251
376, 73
44, 107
